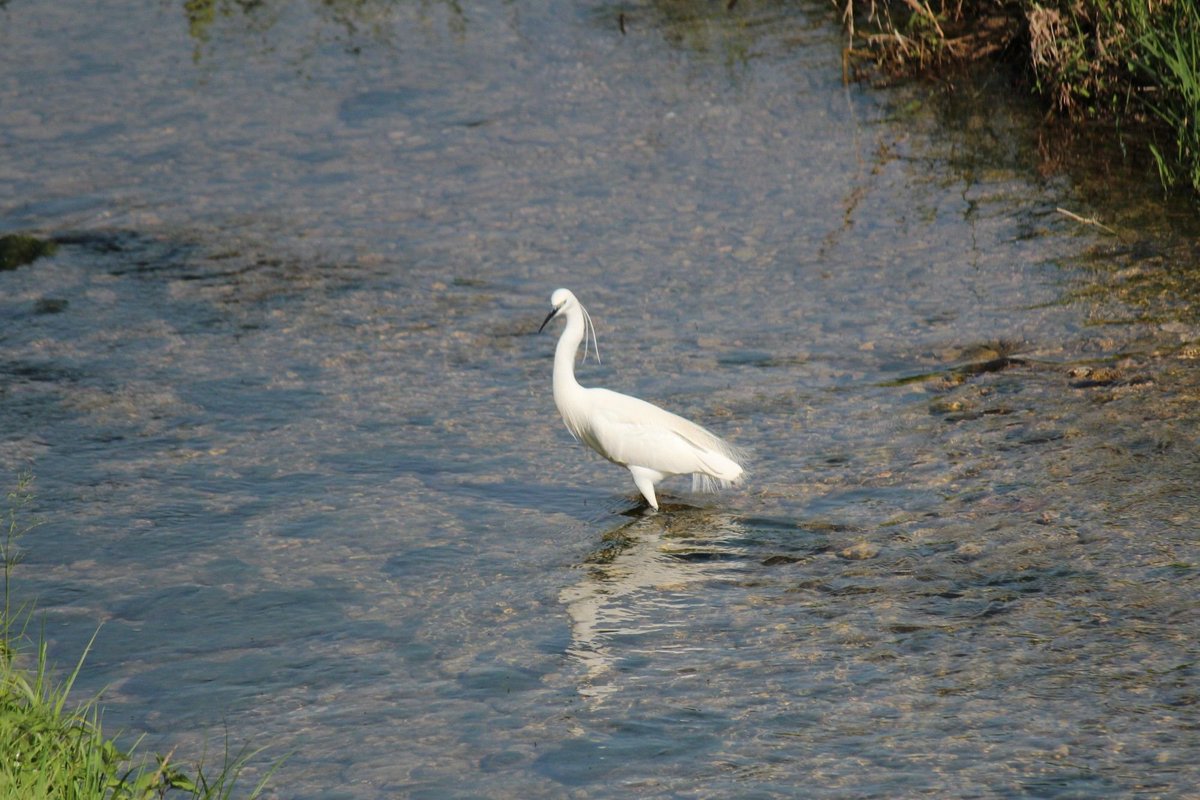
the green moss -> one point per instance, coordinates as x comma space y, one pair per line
17, 250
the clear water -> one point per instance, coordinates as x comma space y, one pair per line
297, 457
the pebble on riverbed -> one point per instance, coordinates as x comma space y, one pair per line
860, 551
1085, 377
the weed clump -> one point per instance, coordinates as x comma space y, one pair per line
1115, 60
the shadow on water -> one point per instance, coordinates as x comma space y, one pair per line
732, 34
723, 32
1142, 266
350, 24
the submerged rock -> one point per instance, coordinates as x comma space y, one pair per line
860, 551
50, 305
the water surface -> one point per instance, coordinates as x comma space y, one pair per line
297, 455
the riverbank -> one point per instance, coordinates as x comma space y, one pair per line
56, 748
1125, 62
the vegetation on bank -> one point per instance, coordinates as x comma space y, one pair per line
56, 751
1117, 60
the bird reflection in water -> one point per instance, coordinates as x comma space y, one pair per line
637, 587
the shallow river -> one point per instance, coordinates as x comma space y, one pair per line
296, 455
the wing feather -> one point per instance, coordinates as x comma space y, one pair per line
632, 432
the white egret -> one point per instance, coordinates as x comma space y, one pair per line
651, 443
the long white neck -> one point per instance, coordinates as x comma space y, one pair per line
568, 394
564, 353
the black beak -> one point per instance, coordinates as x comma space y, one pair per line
549, 317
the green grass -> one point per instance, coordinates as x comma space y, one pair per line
1171, 58
55, 750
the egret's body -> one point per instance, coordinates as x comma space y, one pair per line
651, 443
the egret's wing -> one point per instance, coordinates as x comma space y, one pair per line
630, 431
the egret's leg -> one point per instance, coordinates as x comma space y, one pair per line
644, 480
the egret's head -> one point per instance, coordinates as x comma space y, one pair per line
560, 301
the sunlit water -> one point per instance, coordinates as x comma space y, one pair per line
296, 453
